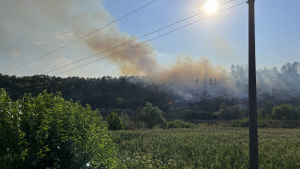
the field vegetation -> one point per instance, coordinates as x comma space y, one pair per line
207, 147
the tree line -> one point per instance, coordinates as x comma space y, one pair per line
99, 93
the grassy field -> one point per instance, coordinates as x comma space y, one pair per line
211, 147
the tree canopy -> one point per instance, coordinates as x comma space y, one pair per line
152, 115
105, 92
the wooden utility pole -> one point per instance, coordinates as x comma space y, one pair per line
253, 136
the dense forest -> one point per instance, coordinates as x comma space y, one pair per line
107, 93
99, 93
128, 95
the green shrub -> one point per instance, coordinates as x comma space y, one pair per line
229, 112
202, 125
262, 123
163, 125
152, 115
240, 123
267, 109
180, 124
114, 122
48, 131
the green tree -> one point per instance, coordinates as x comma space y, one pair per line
267, 109
283, 112
152, 115
114, 122
229, 112
48, 131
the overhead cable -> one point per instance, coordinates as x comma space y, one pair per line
81, 37
133, 39
151, 39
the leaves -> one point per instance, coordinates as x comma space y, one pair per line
114, 122
48, 131
152, 115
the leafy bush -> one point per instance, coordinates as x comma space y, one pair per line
180, 124
152, 115
48, 131
114, 122
284, 112
240, 123
262, 123
229, 112
267, 109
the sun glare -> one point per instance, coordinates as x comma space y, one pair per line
211, 6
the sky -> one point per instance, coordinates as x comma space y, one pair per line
30, 29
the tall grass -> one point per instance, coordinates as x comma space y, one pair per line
208, 147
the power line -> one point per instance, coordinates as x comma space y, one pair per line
134, 39
82, 37
152, 38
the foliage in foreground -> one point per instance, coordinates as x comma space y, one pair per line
213, 147
48, 131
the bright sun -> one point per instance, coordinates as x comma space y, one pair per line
211, 6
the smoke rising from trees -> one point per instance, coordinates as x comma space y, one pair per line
142, 60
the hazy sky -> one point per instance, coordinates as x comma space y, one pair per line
31, 28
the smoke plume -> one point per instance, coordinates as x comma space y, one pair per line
140, 60
81, 18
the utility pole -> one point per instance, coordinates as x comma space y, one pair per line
253, 136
